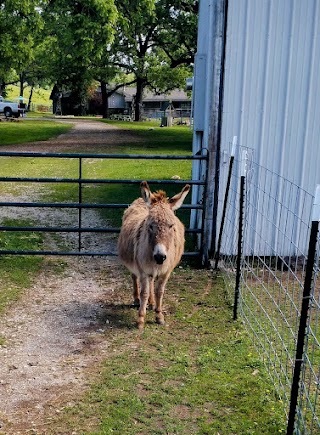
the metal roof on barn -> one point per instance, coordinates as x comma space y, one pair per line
148, 96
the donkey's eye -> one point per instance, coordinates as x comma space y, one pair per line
171, 225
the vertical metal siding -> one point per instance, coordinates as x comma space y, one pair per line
271, 92
271, 98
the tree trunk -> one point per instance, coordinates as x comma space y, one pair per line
138, 100
2, 88
104, 96
21, 84
30, 98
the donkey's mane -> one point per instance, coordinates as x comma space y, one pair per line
159, 196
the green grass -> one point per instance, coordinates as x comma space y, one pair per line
17, 272
29, 131
199, 375
174, 141
47, 115
40, 95
92, 168
156, 140
160, 141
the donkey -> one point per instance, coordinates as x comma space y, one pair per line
150, 245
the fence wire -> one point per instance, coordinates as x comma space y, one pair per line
308, 410
276, 229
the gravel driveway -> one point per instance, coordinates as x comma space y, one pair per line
56, 334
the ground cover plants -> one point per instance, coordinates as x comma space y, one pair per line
17, 273
175, 141
29, 131
197, 375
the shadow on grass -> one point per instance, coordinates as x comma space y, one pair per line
118, 316
124, 316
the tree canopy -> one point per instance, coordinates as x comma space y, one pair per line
20, 26
149, 43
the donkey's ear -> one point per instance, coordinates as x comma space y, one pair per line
146, 192
177, 200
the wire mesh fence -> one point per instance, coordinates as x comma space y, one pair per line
308, 409
263, 251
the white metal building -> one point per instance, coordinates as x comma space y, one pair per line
257, 77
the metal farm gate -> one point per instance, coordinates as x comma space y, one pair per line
80, 164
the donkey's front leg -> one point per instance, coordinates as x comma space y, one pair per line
159, 292
144, 297
136, 290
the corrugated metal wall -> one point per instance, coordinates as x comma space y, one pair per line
272, 97
272, 85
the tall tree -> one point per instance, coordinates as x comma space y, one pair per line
78, 34
154, 37
20, 24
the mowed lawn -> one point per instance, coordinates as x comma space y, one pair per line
29, 131
197, 375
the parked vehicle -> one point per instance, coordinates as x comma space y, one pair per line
12, 108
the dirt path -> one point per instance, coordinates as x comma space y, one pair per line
55, 335
85, 136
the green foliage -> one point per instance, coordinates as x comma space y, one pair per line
20, 24
77, 36
153, 38
178, 35
71, 44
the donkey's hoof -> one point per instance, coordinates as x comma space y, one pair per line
140, 323
160, 320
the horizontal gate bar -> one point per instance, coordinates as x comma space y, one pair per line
76, 253
73, 230
96, 181
104, 156
80, 205
59, 230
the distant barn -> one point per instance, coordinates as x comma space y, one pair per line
121, 102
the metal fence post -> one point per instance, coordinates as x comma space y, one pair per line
240, 231
304, 313
80, 202
225, 202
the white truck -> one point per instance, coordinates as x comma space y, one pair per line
11, 108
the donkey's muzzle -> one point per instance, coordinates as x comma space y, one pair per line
159, 258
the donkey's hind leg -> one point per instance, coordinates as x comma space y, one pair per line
159, 291
136, 290
151, 301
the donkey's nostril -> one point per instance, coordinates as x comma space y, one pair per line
159, 258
